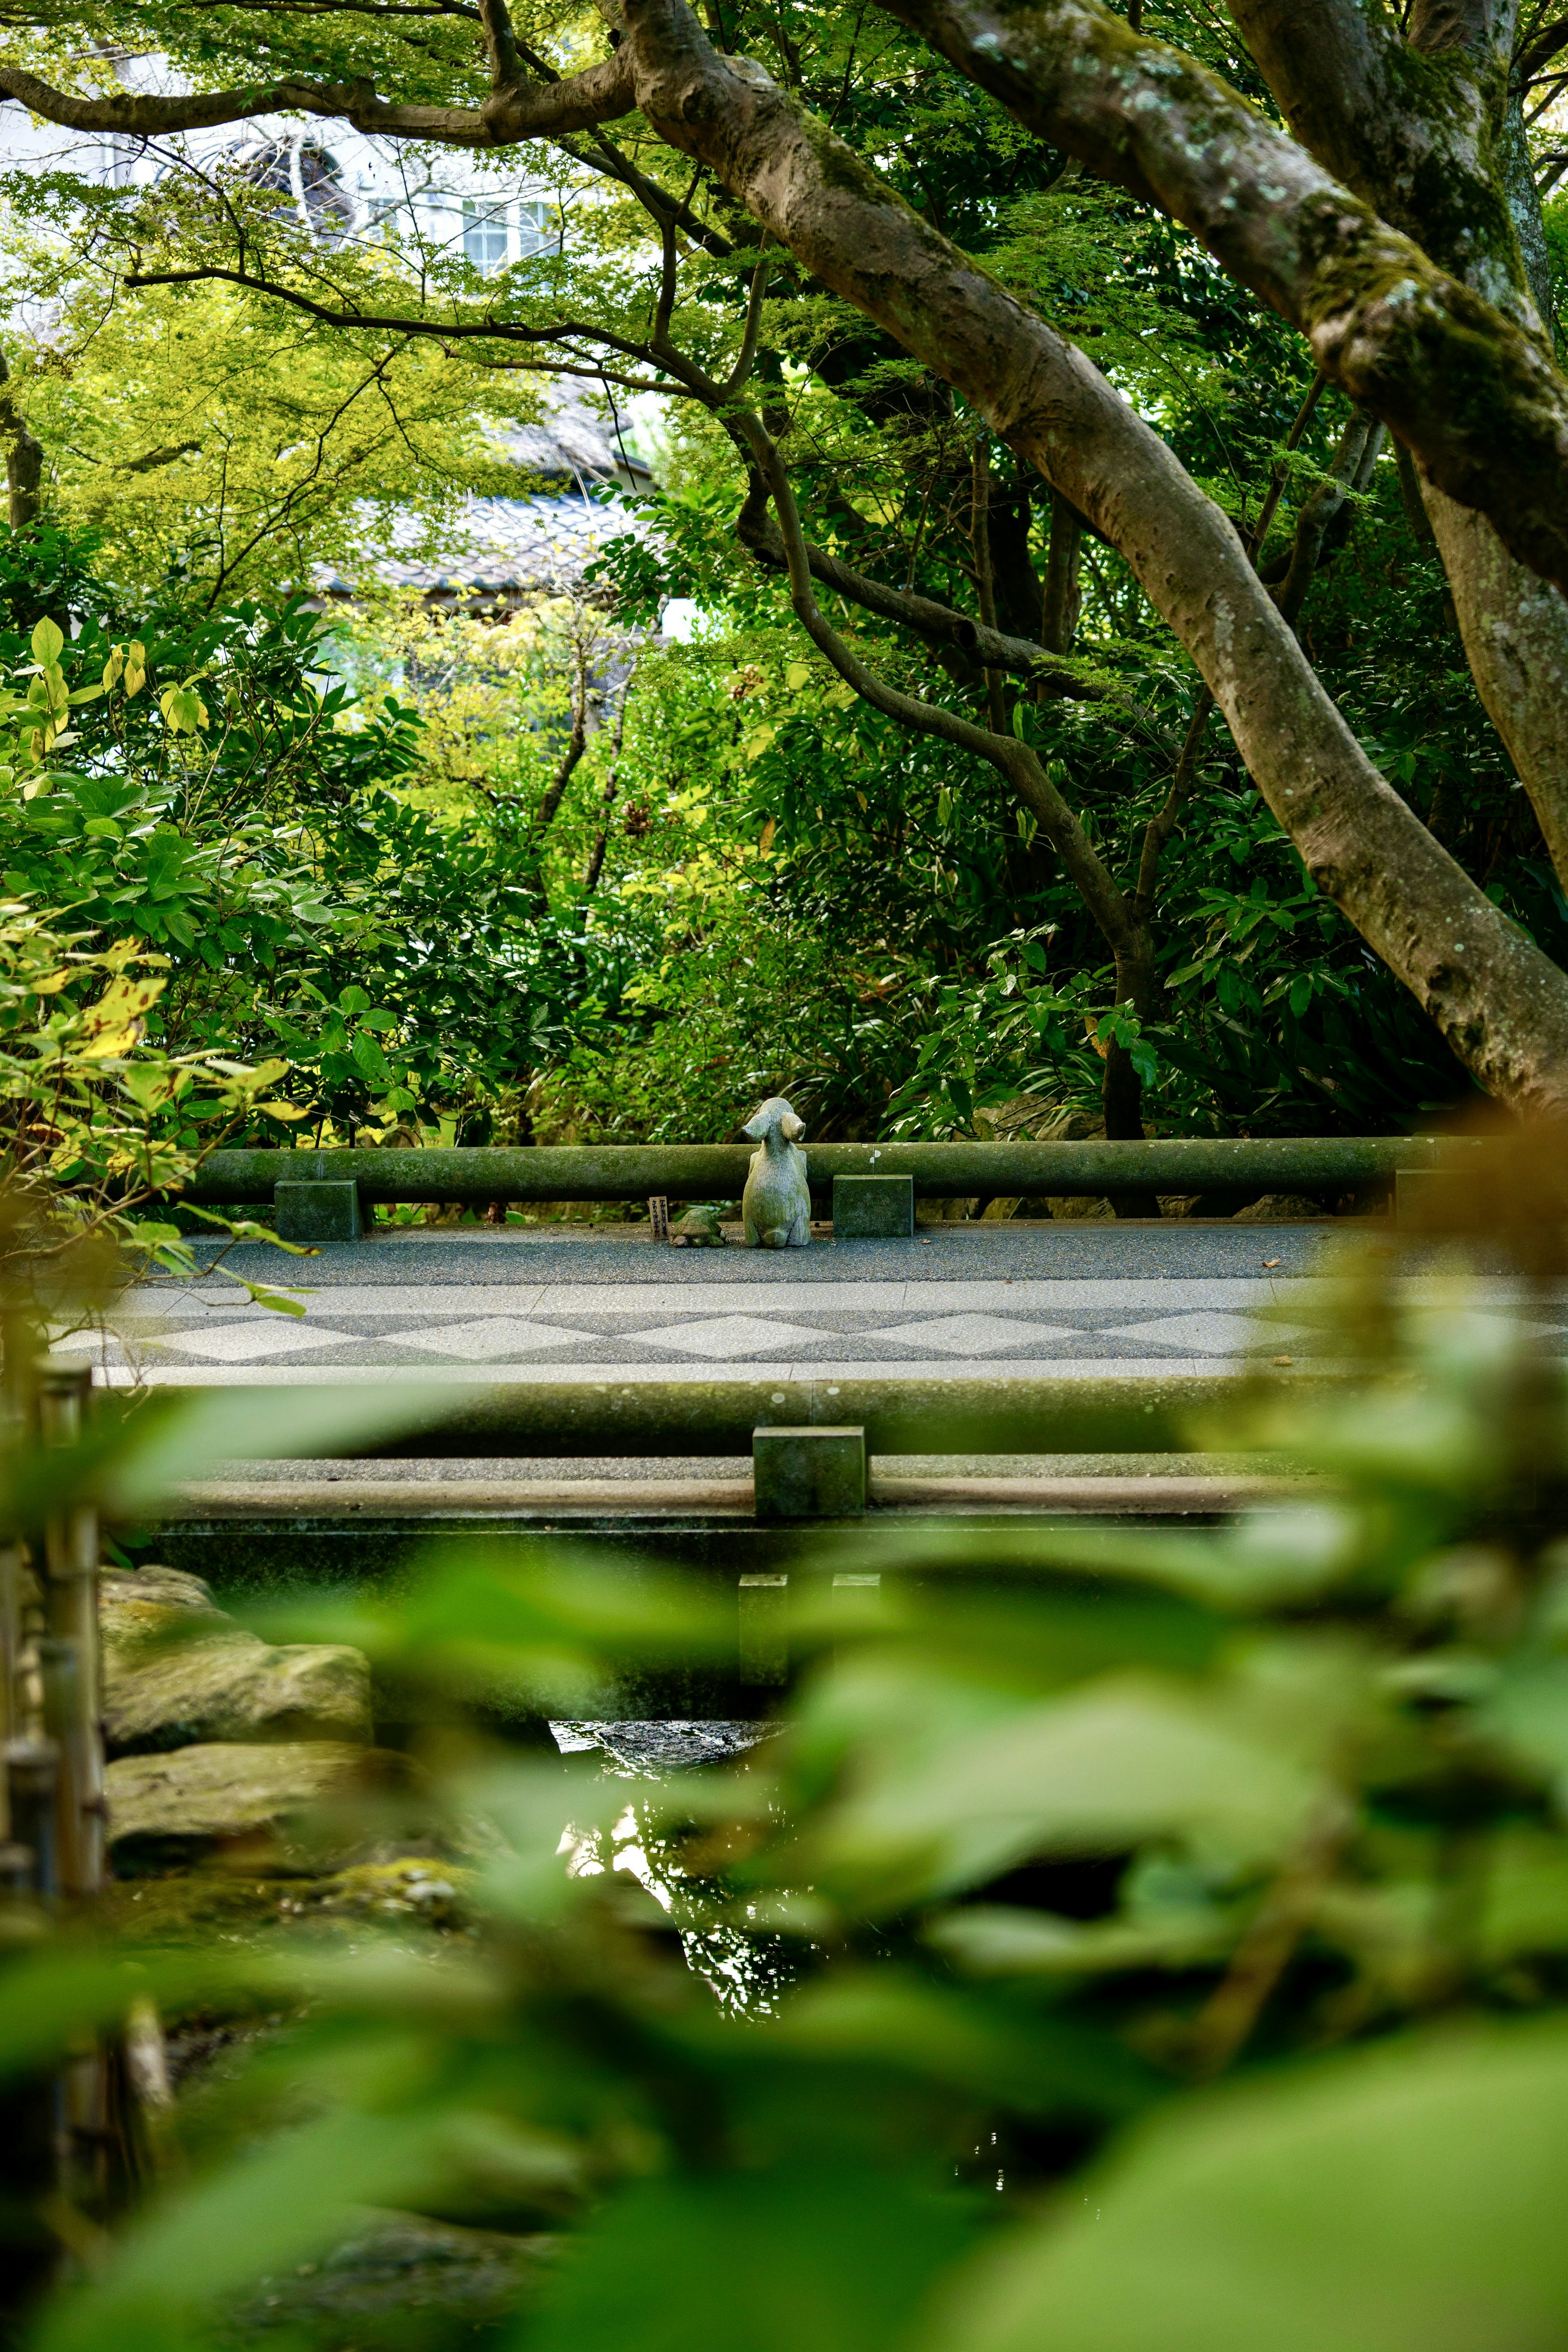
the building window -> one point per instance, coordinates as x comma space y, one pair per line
538, 229
487, 238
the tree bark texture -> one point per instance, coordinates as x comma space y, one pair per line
23, 458
1515, 632
1063, 597
1502, 1004
1474, 390
1430, 130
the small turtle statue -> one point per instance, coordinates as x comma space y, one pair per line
697, 1229
775, 1208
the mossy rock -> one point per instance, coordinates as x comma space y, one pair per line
288, 1804
178, 1672
401, 2283
699, 1228
195, 1906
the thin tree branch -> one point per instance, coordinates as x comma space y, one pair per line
1014, 760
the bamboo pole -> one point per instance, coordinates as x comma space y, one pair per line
69, 1664
73, 1715
28, 1773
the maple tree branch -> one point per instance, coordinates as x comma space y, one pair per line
521, 109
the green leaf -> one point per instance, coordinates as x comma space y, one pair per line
370, 1058
276, 1301
181, 1439
1393, 2201
288, 2198
814, 2257
1119, 1763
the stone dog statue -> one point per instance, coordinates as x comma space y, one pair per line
776, 1207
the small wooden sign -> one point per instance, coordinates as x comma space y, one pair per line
658, 1216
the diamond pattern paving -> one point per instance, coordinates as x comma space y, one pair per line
1207, 1335
976, 1335
248, 1343
486, 1342
732, 1336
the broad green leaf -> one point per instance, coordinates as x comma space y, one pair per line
995, 1939
884, 2017
817, 2258
255, 1423
368, 1055
285, 2199
1118, 1764
1395, 2200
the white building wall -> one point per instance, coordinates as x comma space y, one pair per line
456, 204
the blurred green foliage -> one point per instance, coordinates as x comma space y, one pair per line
1129, 1938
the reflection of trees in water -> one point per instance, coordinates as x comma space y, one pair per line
748, 1971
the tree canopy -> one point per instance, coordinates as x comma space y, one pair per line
1124, 455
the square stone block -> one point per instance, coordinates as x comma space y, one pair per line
873, 1208
764, 1629
316, 1214
1439, 1200
809, 1474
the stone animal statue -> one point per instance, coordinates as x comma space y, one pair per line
776, 1207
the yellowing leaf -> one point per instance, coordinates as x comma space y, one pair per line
114, 1024
797, 675
48, 642
136, 669
103, 1045
282, 1110
184, 709
51, 985
766, 843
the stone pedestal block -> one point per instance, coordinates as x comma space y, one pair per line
763, 1608
809, 1474
873, 1208
1440, 1199
317, 1214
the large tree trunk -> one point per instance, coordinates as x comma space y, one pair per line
1456, 176
1500, 1003
23, 458
1063, 597
1515, 632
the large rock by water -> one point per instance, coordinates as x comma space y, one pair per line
166, 1808
178, 1671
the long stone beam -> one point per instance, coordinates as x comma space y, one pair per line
1000, 1414
716, 1172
